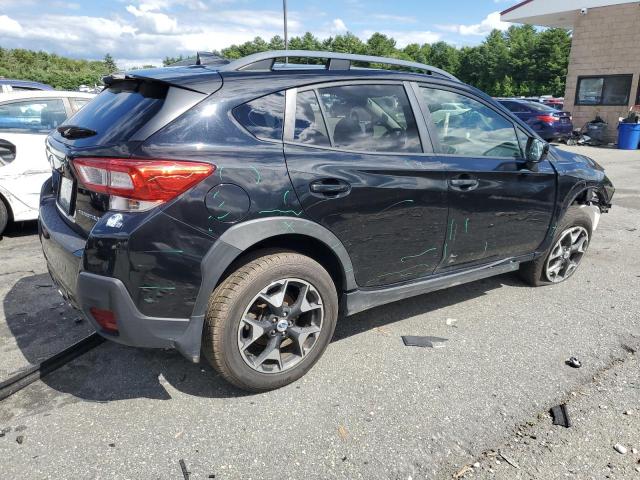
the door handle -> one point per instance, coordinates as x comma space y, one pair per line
330, 187
464, 183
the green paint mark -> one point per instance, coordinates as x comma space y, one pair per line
444, 255
289, 227
486, 244
221, 204
210, 217
157, 288
284, 197
257, 175
348, 270
168, 250
282, 212
455, 232
453, 221
222, 217
216, 194
466, 226
220, 172
419, 255
407, 162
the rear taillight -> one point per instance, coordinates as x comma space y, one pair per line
105, 318
547, 118
138, 185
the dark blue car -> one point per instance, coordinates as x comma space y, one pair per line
10, 84
546, 121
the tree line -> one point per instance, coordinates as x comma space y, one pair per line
519, 61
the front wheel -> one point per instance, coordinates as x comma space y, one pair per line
567, 251
270, 321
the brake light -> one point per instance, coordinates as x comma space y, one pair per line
136, 184
105, 318
547, 118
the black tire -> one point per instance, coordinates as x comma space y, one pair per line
234, 295
4, 216
534, 273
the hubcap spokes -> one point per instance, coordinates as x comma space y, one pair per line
566, 254
280, 326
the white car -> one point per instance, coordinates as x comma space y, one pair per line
25, 120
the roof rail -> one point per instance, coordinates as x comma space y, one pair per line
265, 61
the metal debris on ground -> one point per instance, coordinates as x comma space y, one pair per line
342, 431
185, 472
20, 439
413, 341
560, 415
451, 322
573, 362
462, 472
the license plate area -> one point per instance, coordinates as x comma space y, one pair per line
65, 195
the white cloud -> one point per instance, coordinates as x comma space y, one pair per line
405, 37
9, 26
491, 22
339, 26
153, 21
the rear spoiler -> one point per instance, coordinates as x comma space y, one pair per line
197, 78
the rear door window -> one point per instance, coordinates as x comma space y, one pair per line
370, 118
474, 130
32, 116
78, 103
119, 112
310, 128
263, 117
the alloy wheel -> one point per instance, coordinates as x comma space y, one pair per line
567, 254
280, 326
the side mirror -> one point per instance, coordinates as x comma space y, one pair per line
537, 150
7, 152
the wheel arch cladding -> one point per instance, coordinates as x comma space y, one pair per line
296, 234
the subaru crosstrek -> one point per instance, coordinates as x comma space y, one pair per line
237, 210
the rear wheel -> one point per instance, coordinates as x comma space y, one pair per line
563, 258
4, 216
270, 321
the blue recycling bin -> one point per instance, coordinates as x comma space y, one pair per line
628, 136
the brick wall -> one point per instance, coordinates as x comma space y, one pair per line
606, 41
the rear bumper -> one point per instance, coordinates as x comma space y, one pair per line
64, 250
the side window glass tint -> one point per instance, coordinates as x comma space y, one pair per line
472, 129
310, 128
263, 116
370, 118
78, 103
37, 116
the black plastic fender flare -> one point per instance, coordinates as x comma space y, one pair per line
237, 240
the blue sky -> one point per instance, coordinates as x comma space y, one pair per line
136, 32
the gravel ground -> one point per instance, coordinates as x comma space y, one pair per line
373, 408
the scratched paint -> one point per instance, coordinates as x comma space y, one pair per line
403, 259
220, 172
396, 204
453, 221
284, 197
281, 212
400, 272
157, 288
222, 217
466, 226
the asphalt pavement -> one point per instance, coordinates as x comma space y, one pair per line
373, 408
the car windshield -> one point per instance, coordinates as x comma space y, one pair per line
539, 107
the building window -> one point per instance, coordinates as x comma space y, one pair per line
613, 90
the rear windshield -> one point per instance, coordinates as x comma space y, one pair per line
118, 112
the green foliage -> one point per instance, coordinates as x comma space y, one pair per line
520, 61
59, 72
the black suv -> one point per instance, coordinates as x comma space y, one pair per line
237, 210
